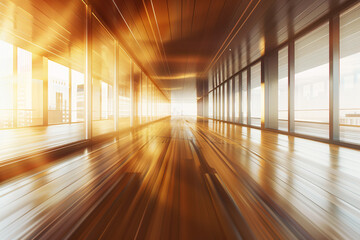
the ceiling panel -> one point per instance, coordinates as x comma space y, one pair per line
175, 41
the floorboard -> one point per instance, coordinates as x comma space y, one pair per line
190, 179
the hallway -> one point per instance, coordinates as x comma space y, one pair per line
189, 179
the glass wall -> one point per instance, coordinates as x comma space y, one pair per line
211, 104
312, 83
244, 97
311, 75
124, 90
6, 85
350, 75
58, 93
255, 94
42, 66
43, 77
103, 76
283, 89
29, 92
77, 96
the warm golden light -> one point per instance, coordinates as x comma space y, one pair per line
168, 119
44, 77
176, 77
262, 46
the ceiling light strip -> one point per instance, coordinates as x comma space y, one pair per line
153, 32
162, 43
222, 48
117, 8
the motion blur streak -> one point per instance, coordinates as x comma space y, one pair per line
179, 119
183, 179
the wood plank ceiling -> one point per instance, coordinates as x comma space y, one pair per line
179, 40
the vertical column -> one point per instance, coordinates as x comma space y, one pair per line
15, 88
214, 104
229, 99
70, 96
132, 105
88, 75
116, 88
45, 77
271, 90
263, 89
141, 101
213, 89
233, 99
213, 93
334, 78
240, 98
291, 87
249, 96
223, 101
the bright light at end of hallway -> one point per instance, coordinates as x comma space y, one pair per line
183, 107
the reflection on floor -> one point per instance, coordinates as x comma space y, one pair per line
23, 141
188, 179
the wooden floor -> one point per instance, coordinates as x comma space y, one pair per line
15, 143
190, 179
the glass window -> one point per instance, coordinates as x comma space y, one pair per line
237, 99
29, 92
350, 75
103, 61
283, 89
77, 96
312, 83
244, 97
256, 94
58, 93
6, 85
26, 25
210, 81
106, 103
124, 90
